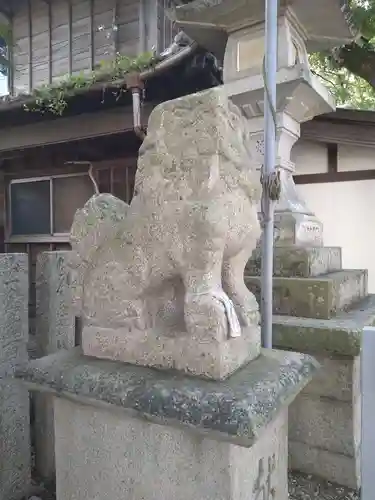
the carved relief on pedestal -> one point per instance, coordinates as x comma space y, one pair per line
264, 486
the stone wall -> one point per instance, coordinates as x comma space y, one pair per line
15, 455
325, 422
321, 309
54, 330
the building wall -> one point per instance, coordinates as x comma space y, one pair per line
347, 209
115, 176
65, 37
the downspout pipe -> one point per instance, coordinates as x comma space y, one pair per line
135, 83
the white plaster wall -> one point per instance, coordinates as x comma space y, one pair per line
310, 157
351, 158
347, 210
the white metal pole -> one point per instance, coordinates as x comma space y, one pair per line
367, 413
270, 71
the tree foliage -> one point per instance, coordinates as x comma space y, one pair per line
349, 71
5, 38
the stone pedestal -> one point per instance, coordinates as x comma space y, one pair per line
15, 453
126, 431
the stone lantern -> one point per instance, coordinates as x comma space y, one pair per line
234, 30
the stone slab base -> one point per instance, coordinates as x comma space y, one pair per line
338, 336
235, 410
206, 358
102, 454
300, 262
320, 297
125, 431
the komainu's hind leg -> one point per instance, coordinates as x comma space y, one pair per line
234, 285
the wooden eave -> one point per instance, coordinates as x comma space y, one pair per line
178, 80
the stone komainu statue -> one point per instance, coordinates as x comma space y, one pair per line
172, 261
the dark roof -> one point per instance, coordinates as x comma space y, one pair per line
349, 115
188, 70
9, 7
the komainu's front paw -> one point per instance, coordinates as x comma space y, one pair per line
205, 318
247, 309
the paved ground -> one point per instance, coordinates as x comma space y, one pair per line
301, 487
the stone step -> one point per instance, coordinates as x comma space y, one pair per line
338, 336
315, 297
299, 262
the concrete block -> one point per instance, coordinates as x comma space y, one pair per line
298, 261
338, 378
325, 420
324, 423
54, 331
15, 453
334, 467
320, 297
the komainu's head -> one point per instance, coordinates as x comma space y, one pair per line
193, 143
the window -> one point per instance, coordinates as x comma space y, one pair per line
46, 205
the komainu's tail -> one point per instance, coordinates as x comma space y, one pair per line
98, 222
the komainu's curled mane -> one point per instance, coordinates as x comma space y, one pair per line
190, 147
173, 260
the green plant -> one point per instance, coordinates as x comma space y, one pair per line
54, 98
349, 71
5, 43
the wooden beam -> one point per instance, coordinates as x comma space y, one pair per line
70, 37
115, 25
49, 42
30, 38
142, 27
332, 157
92, 36
350, 176
11, 69
83, 126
